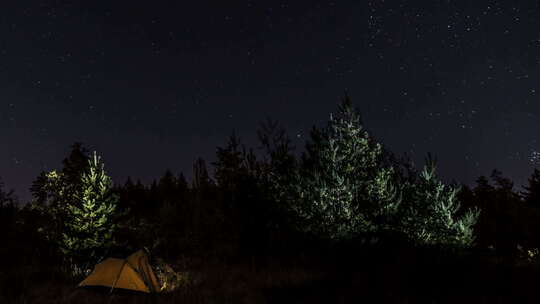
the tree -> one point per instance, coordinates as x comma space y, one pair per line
201, 179
279, 160
238, 177
206, 210
348, 186
484, 197
344, 187
278, 176
54, 191
430, 212
7, 198
77, 208
74, 165
8, 208
531, 195
229, 166
483, 189
505, 204
90, 224
45, 191
279, 167
182, 183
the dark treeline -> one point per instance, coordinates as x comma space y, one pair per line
343, 197
510, 220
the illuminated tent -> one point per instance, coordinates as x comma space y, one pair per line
133, 273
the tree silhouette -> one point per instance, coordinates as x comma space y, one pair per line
7, 198
278, 173
54, 191
45, 189
8, 209
505, 210
238, 177
531, 195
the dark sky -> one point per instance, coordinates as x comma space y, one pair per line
153, 86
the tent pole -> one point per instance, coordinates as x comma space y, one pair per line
118, 276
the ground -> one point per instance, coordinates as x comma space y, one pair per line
383, 278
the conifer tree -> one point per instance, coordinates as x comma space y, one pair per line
485, 199
278, 178
504, 203
8, 208
430, 212
279, 167
201, 179
345, 189
238, 177
167, 188
531, 195
230, 167
182, 183
90, 220
54, 191
348, 187
7, 198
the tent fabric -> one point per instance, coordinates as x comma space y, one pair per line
139, 261
132, 273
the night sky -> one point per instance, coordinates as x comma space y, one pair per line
153, 86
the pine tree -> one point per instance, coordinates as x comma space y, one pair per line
8, 208
7, 198
52, 195
531, 195
167, 189
348, 186
182, 183
278, 169
485, 199
344, 187
54, 191
429, 213
504, 206
90, 220
201, 179
237, 173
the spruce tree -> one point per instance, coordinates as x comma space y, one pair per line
54, 191
8, 209
430, 213
7, 198
348, 186
277, 182
485, 199
345, 189
504, 205
239, 181
278, 171
201, 179
531, 195
90, 220
167, 189
51, 199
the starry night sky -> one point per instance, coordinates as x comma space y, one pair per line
153, 86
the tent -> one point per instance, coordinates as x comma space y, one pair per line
132, 273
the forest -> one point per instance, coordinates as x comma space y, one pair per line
344, 219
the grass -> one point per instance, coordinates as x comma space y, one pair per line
401, 279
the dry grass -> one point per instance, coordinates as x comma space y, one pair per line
197, 281
213, 283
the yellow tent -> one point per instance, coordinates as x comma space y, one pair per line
132, 273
